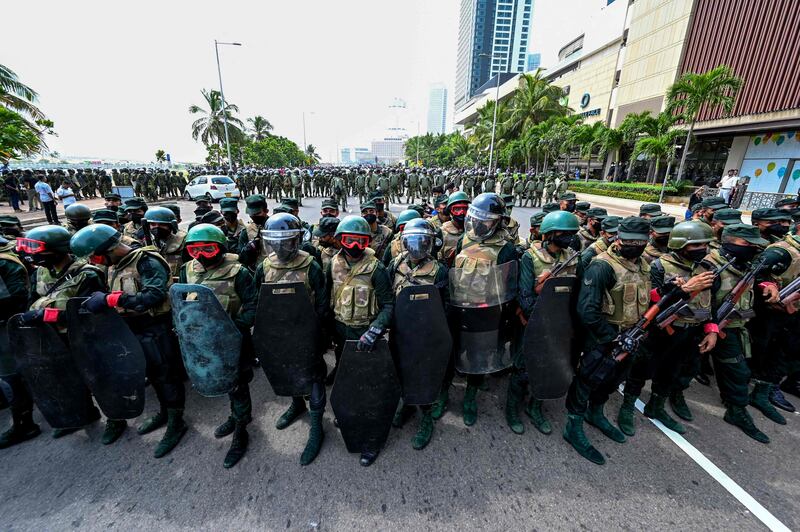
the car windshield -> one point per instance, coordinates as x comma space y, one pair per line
221, 180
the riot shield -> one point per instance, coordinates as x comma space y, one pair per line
286, 338
421, 342
210, 342
480, 313
548, 340
47, 366
365, 396
110, 358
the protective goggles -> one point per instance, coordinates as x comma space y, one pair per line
351, 241
458, 210
30, 246
206, 250
283, 234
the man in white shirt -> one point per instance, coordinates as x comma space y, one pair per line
48, 200
65, 194
726, 184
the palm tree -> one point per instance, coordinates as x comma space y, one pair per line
210, 127
693, 92
656, 148
534, 101
17, 96
611, 142
259, 127
312, 157
161, 156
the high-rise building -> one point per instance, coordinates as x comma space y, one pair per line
437, 109
534, 62
493, 38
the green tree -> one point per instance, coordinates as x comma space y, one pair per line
610, 143
312, 157
17, 138
161, 156
656, 148
693, 92
259, 128
17, 96
535, 100
210, 127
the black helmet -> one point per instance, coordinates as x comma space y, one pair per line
418, 238
78, 213
282, 234
485, 215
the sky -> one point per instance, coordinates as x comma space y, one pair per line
118, 78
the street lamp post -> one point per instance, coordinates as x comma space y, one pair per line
496, 104
222, 95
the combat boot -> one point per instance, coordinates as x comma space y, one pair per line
470, 406
595, 416
678, 403
113, 431
238, 445
176, 428
654, 409
295, 410
424, 432
402, 414
776, 398
740, 417
440, 406
94, 415
152, 423
226, 428
368, 458
759, 399
626, 414
534, 412
315, 438
573, 433
513, 396
22, 429
791, 384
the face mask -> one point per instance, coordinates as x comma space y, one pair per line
324, 244
661, 240
136, 218
458, 220
570, 207
694, 255
45, 259
778, 230
208, 262
739, 252
258, 219
354, 252
371, 218
161, 233
562, 241
631, 252
230, 217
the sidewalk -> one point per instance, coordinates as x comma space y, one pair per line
628, 207
33, 219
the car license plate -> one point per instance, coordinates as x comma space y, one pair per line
227, 194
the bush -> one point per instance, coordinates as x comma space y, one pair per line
634, 191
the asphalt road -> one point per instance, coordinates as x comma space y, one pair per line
481, 477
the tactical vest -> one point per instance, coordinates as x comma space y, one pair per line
543, 262
792, 245
326, 254
652, 253
295, 271
76, 273
253, 233
380, 239
221, 280
477, 261
512, 230
450, 236
172, 251
396, 247
407, 274
124, 277
353, 296
129, 229
728, 280
699, 305
599, 246
12, 257
629, 298
587, 238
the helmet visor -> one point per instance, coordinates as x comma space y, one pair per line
351, 241
207, 250
482, 229
30, 246
418, 245
284, 248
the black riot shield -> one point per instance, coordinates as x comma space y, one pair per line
365, 396
45, 362
286, 338
549, 338
110, 358
210, 342
482, 317
421, 342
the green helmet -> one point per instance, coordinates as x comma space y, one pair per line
159, 215
458, 197
78, 212
406, 215
55, 237
94, 240
354, 225
560, 221
691, 232
205, 233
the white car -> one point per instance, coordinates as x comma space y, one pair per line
213, 187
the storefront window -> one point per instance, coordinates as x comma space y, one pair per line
705, 164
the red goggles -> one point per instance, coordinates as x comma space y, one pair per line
208, 251
355, 241
458, 210
30, 246
98, 260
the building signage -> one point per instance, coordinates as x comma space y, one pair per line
592, 112
585, 99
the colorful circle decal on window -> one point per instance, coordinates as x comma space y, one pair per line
780, 140
796, 175
770, 167
758, 172
757, 141
782, 172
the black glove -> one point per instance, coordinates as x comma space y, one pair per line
96, 302
628, 344
368, 339
32, 317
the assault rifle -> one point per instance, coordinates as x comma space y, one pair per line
727, 311
673, 312
789, 295
558, 268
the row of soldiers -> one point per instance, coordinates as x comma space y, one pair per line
358, 276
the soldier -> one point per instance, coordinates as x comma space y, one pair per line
552, 206
441, 217
58, 277
507, 184
549, 189
361, 295
112, 201
380, 235
229, 207
538, 191
78, 217
604, 309
135, 208
590, 231
773, 224
535, 232
719, 220
567, 201
395, 247
233, 285
138, 288
660, 229
326, 243
384, 217
649, 211
563, 185
528, 192
608, 234
489, 184
452, 230
167, 238
558, 230
581, 207
307, 192
708, 206
425, 185
468, 184
251, 249
384, 185
519, 189
361, 186
110, 218
287, 263
340, 192
510, 224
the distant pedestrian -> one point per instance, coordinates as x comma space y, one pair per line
30, 188
48, 199
65, 194
726, 184
12, 190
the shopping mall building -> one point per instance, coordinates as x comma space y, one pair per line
633, 51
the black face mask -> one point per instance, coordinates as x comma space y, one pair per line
631, 252
371, 218
562, 241
353, 253
230, 217
324, 244
458, 220
136, 218
161, 233
48, 260
739, 252
661, 241
694, 255
210, 262
258, 219
570, 207
777, 230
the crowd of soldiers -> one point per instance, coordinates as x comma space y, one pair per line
584, 303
